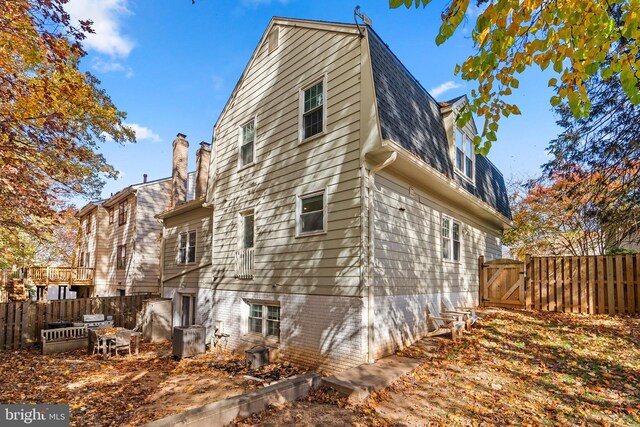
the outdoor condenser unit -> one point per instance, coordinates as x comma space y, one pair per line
189, 341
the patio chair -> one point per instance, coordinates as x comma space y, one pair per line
445, 323
123, 341
468, 313
97, 344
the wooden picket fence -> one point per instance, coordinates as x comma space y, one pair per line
21, 322
591, 284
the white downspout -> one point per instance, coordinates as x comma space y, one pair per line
371, 256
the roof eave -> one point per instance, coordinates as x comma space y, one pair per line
448, 183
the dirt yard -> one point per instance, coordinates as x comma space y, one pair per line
123, 390
514, 368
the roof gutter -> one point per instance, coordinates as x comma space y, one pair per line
448, 183
371, 253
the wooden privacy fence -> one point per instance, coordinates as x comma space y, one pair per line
21, 322
589, 284
592, 284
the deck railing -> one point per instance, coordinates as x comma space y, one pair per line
60, 275
244, 263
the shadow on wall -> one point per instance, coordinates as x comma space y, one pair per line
298, 270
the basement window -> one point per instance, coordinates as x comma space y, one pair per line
264, 319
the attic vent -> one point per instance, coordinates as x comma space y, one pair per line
274, 39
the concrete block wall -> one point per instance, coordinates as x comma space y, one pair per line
325, 332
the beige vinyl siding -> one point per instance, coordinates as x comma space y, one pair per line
408, 246
326, 264
88, 242
193, 275
122, 235
151, 200
101, 251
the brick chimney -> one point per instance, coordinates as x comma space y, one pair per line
203, 157
179, 175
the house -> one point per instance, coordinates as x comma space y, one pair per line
343, 199
120, 236
185, 254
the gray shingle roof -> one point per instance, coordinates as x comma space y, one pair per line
412, 118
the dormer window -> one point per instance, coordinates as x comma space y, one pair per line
465, 158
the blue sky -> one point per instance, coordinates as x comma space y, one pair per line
172, 65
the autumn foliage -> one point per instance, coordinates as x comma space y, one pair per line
578, 39
52, 117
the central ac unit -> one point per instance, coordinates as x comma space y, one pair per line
189, 341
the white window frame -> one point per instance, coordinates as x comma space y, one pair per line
243, 214
188, 234
467, 143
87, 224
450, 243
299, 198
255, 137
264, 319
87, 259
301, 138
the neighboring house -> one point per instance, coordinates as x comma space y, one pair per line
120, 236
186, 251
344, 200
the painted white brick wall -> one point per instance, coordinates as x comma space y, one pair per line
325, 332
402, 319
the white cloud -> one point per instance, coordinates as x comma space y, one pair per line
106, 16
444, 87
111, 67
144, 133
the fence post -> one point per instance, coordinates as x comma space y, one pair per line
481, 280
526, 285
611, 296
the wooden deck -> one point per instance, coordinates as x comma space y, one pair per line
45, 276
60, 276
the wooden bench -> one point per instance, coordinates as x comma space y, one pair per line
64, 339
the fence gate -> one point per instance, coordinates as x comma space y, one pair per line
502, 282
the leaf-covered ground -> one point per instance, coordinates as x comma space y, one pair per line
125, 390
514, 368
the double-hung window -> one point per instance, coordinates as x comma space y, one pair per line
121, 257
264, 319
247, 143
122, 213
111, 215
313, 114
311, 213
450, 239
465, 156
88, 225
187, 247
